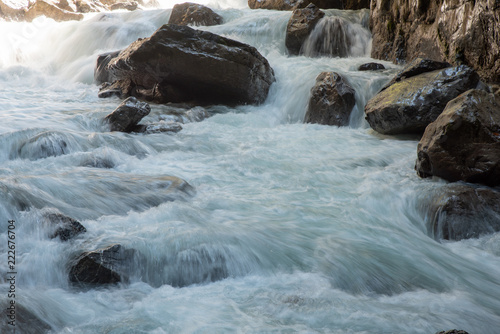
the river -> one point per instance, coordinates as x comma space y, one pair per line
317, 229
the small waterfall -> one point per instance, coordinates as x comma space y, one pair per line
336, 36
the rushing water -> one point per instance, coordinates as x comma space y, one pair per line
317, 229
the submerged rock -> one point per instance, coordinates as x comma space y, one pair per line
453, 331
26, 321
190, 13
409, 105
108, 265
464, 141
180, 64
461, 212
44, 145
371, 67
300, 25
126, 116
331, 101
64, 227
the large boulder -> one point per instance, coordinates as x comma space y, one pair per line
110, 265
47, 9
127, 115
331, 101
294, 4
457, 31
464, 141
300, 25
461, 212
190, 13
180, 64
409, 105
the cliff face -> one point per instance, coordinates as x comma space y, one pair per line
457, 31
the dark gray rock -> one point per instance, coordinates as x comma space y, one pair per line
189, 13
300, 25
409, 105
126, 116
100, 73
461, 212
371, 67
331, 101
180, 64
64, 227
26, 321
464, 141
110, 265
416, 67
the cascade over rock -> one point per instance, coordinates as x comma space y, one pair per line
461, 212
463, 144
415, 67
63, 226
331, 102
190, 13
180, 64
456, 31
409, 105
108, 265
300, 25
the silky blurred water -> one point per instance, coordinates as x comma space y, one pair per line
290, 227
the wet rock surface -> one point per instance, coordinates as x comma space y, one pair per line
64, 227
371, 67
110, 265
464, 141
180, 64
331, 101
409, 105
460, 211
190, 13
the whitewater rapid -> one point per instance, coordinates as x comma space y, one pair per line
320, 229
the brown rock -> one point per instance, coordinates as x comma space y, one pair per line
49, 10
300, 25
456, 31
331, 102
408, 106
63, 226
10, 11
126, 116
180, 64
461, 212
464, 141
194, 14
